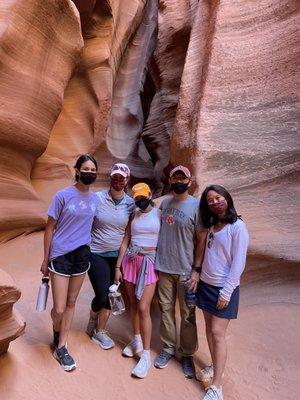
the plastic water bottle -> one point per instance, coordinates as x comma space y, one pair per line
116, 301
190, 297
43, 294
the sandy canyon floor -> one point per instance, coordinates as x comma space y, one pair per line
264, 345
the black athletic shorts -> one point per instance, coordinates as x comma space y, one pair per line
76, 262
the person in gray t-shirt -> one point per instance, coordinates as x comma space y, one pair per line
177, 259
111, 218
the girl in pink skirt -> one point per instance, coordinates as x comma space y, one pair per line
136, 256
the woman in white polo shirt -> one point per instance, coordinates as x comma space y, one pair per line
112, 215
218, 290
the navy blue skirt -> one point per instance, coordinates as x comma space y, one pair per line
208, 298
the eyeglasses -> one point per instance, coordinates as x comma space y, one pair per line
210, 239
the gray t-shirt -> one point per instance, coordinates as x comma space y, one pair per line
110, 222
176, 243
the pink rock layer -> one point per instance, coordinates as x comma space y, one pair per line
207, 83
12, 324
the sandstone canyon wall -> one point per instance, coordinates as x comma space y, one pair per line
206, 83
12, 324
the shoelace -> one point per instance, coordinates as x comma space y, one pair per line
104, 333
63, 352
211, 392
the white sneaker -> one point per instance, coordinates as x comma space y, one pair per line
213, 393
142, 367
103, 339
206, 374
133, 348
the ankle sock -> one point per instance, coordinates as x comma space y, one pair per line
137, 338
146, 353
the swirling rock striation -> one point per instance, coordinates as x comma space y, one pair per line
12, 324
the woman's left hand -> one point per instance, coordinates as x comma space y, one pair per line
193, 282
222, 303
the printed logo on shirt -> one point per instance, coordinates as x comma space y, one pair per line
173, 215
72, 207
170, 220
83, 205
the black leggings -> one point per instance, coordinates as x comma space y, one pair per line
101, 274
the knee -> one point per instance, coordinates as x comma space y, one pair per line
167, 307
99, 303
218, 334
143, 311
59, 311
71, 303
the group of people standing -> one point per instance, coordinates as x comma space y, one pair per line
113, 237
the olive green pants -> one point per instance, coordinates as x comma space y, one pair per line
170, 287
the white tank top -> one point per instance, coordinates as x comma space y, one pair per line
145, 228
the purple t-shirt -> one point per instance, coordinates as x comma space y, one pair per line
74, 212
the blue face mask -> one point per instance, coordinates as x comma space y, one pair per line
143, 204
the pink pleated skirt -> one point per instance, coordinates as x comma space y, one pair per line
131, 268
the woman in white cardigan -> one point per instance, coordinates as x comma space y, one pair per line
223, 263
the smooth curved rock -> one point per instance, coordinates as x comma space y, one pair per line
12, 324
33, 76
232, 67
236, 122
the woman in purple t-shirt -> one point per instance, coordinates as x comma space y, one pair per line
67, 252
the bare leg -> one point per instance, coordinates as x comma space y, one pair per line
130, 288
208, 328
73, 291
144, 314
59, 285
218, 330
103, 316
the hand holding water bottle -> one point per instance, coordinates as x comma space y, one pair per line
116, 301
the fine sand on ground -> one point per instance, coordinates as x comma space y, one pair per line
264, 350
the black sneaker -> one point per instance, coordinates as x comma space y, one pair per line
66, 361
188, 367
55, 338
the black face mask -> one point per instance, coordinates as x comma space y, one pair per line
179, 187
143, 203
87, 177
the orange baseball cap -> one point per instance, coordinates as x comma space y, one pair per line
141, 189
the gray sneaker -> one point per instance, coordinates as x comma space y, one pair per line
91, 326
102, 338
162, 360
213, 393
188, 367
66, 361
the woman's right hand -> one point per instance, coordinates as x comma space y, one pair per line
44, 268
118, 275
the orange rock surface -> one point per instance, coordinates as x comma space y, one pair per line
263, 343
207, 83
12, 325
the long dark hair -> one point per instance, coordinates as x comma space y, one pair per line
82, 159
208, 217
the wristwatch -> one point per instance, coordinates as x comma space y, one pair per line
196, 269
